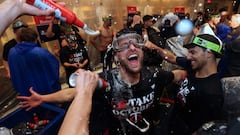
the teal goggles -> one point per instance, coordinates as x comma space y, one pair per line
133, 39
207, 44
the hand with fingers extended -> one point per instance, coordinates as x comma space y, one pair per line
30, 102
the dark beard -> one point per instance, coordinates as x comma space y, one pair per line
128, 70
122, 90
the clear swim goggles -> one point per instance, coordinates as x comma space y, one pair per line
132, 38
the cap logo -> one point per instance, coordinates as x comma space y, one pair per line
201, 42
207, 44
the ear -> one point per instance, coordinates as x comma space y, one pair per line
210, 53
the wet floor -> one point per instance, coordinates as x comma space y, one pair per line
8, 101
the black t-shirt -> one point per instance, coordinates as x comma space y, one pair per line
129, 106
10, 44
199, 100
73, 56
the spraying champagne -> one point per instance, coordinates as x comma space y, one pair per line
62, 13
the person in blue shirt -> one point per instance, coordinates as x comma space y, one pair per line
33, 66
223, 29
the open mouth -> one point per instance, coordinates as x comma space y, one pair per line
193, 62
133, 57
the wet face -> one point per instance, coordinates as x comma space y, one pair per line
131, 57
198, 57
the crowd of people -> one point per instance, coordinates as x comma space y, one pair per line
131, 102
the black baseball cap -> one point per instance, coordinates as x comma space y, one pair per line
207, 41
18, 24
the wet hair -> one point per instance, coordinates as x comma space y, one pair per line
28, 35
125, 31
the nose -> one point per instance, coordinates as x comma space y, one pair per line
131, 46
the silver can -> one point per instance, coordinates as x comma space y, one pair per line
72, 79
101, 82
5, 131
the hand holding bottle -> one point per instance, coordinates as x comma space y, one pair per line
62, 13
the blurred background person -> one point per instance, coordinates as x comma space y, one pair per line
135, 19
229, 65
33, 66
210, 26
54, 31
104, 39
223, 29
73, 56
167, 29
151, 57
199, 20
16, 26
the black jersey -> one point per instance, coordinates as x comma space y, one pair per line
199, 100
77, 55
129, 108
